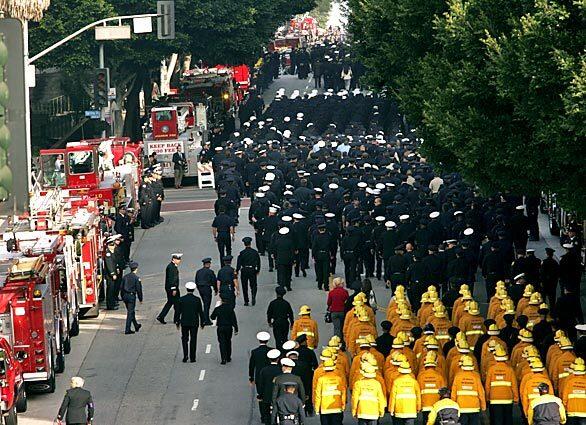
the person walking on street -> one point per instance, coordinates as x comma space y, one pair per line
131, 289
336, 305
189, 316
248, 264
288, 408
171, 286
550, 272
179, 163
206, 280
445, 410
280, 317
74, 405
546, 409
225, 322
223, 229
228, 281
111, 273
265, 383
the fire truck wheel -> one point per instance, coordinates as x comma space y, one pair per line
10, 417
21, 401
74, 330
60, 363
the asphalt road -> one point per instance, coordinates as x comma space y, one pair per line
140, 379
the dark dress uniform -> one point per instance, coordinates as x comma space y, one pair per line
74, 406
111, 274
396, 270
145, 201
264, 388
288, 410
123, 227
284, 250
205, 279
280, 317
248, 264
349, 250
288, 379
171, 285
131, 289
222, 223
550, 272
320, 250
258, 360
226, 276
269, 226
189, 314
158, 197
225, 322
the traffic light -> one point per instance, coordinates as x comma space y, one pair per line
166, 19
5, 139
101, 87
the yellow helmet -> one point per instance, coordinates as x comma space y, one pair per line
500, 353
363, 317
424, 298
543, 306
463, 287
579, 367
565, 343
493, 329
536, 365
405, 367
467, 295
326, 353
399, 289
528, 290
466, 363
558, 334
473, 308
357, 301
500, 284
368, 371
440, 311
430, 359
397, 342
525, 335
397, 358
535, 299
329, 364
362, 342
501, 293
370, 339
304, 309
431, 342
405, 313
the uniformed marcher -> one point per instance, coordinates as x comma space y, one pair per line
111, 274
258, 357
287, 377
206, 281
288, 409
77, 407
228, 281
320, 251
283, 249
131, 289
225, 322
223, 228
189, 316
264, 385
248, 264
123, 227
171, 286
280, 317
145, 201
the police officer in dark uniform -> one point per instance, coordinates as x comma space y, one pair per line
228, 281
145, 201
248, 264
283, 249
280, 316
258, 357
171, 286
288, 408
123, 227
131, 289
206, 280
189, 316
395, 274
111, 274
349, 249
264, 385
320, 251
158, 194
225, 322
223, 228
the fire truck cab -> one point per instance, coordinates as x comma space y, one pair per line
12, 389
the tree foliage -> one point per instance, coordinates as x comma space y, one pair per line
498, 87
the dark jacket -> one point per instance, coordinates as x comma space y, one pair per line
75, 403
264, 385
189, 311
258, 360
172, 278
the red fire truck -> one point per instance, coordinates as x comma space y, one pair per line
106, 169
28, 320
12, 389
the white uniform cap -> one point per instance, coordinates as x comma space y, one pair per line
300, 115
287, 134
293, 353
190, 286
434, 214
273, 354
177, 255
298, 216
375, 191
236, 134
380, 218
367, 165
219, 148
520, 207
458, 212
269, 177
272, 210
287, 119
581, 327
263, 336
333, 186
519, 276
317, 190
369, 190
287, 362
321, 144
286, 218
259, 195
380, 186
334, 144
362, 184
283, 230
468, 231
390, 224
568, 246
390, 184
287, 193
322, 166
289, 345
330, 215
404, 217
264, 188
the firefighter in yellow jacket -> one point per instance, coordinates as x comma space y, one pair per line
329, 397
561, 362
368, 400
529, 387
573, 394
305, 325
430, 380
468, 392
501, 388
405, 397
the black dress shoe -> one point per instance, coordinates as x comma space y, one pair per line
138, 327
229, 360
192, 361
184, 360
253, 301
270, 270
223, 362
208, 323
113, 308
304, 273
129, 332
246, 304
161, 320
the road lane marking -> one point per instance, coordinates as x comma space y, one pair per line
208, 348
202, 374
195, 404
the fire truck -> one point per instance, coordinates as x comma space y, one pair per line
12, 389
106, 169
27, 319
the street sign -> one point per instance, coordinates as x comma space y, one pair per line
142, 25
166, 20
121, 32
93, 114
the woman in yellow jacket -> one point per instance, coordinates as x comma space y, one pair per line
405, 397
329, 398
368, 399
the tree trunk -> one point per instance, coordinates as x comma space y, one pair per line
133, 120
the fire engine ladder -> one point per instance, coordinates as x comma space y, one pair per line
47, 205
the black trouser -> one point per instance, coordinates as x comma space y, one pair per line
145, 216
205, 292
284, 275
576, 421
501, 414
224, 245
379, 266
350, 268
225, 340
317, 81
333, 252
248, 276
281, 332
157, 211
260, 243
490, 285
551, 289
172, 301
110, 292
303, 263
403, 421
367, 421
130, 303
125, 246
189, 334
368, 261
322, 271
331, 419
265, 412
469, 418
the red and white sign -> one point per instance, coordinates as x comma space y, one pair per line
163, 148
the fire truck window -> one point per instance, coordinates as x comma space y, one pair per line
164, 116
53, 168
81, 162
